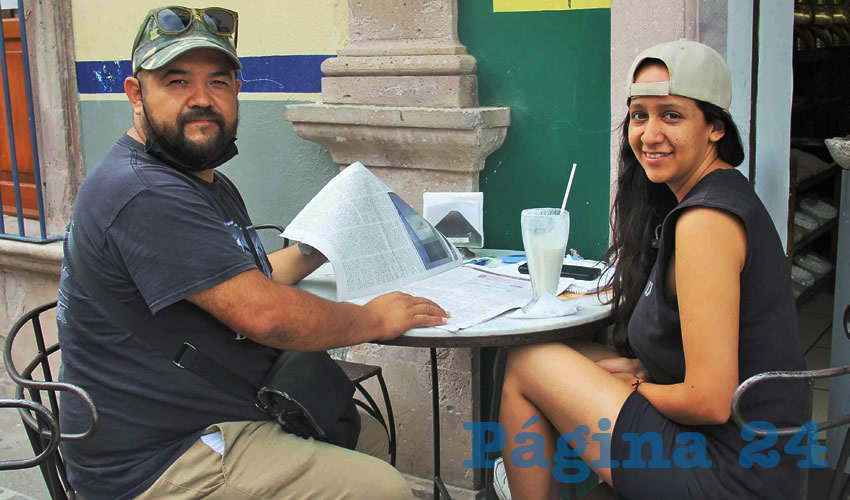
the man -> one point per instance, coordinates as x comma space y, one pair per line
169, 238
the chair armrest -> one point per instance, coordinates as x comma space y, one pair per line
276, 227
269, 226
24, 379
26, 406
785, 375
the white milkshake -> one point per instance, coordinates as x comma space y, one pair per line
545, 256
544, 235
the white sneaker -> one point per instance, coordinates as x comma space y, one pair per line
500, 480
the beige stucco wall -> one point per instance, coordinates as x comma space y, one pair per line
267, 27
634, 27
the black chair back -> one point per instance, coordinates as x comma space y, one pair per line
41, 419
839, 486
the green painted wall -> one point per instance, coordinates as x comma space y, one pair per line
276, 171
553, 70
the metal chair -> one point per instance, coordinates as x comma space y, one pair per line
839, 487
358, 373
41, 422
50, 421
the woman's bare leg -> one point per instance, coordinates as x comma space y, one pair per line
565, 389
592, 350
530, 482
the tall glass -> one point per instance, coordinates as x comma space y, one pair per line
544, 235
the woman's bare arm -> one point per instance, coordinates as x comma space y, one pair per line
711, 248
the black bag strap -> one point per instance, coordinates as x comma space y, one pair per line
181, 353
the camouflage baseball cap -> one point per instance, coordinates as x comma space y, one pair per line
154, 49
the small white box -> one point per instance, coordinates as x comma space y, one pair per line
458, 216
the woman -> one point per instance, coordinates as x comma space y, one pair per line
702, 300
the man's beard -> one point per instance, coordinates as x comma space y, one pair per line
173, 137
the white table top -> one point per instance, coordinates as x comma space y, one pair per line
592, 315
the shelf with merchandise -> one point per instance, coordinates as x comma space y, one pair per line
803, 293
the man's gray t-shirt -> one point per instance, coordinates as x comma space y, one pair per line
156, 239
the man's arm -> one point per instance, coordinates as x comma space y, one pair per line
287, 318
291, 266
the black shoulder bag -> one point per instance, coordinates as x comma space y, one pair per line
306, 392
310, 396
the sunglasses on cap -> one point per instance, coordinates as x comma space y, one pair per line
176, 20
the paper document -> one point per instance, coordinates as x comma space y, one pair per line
375, 241
471, 295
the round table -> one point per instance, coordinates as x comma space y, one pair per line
500, 332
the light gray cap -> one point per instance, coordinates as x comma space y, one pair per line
696, 71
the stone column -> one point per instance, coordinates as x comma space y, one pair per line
56, 103
402, 98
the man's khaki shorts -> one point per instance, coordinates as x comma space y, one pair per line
261, 461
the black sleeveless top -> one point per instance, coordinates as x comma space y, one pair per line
768, 338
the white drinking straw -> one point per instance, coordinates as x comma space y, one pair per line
569, 185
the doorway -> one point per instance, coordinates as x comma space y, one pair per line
16, 155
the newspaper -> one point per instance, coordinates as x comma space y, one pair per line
470, 295
377, 243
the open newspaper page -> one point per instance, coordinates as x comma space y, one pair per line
470, 295
375, 241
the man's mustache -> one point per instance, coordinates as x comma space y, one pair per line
201, 114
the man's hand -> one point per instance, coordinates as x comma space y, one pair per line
399, 312
625, 369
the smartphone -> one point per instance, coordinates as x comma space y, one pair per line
569, 271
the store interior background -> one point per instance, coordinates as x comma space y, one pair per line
820, 109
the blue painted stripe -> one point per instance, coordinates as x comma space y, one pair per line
297, 74
294, 74
102, 77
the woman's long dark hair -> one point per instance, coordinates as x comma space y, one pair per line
639, 207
